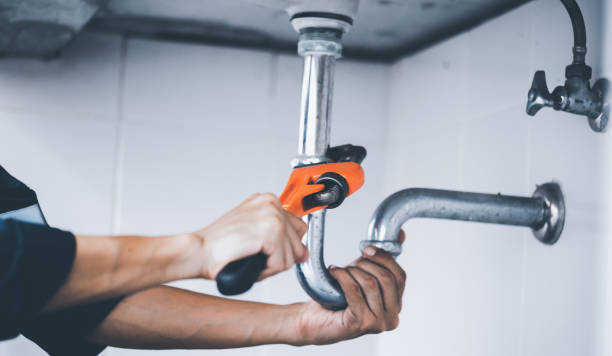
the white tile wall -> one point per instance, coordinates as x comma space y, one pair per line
509, 295
606, 322
155, 137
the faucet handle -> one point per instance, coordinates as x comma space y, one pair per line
599, 122
539, 96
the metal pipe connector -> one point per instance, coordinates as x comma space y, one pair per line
323, 41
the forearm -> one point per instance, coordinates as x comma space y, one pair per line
170, 318
109, 266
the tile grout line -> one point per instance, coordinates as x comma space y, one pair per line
386, 122
117, 185
529, 163
386, 139
605, 346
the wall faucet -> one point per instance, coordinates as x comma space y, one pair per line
576, 96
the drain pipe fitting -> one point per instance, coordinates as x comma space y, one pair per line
320, 45
544, 212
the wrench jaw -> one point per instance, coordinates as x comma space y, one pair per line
325, 185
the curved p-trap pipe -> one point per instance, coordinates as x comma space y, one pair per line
544, 213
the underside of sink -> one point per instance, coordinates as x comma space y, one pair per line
383, 30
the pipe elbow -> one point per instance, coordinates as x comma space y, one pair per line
388, 218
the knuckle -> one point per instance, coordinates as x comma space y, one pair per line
402, 274
362, 263
257, 197
274, 222
298, 253
370, 282
352, 318
365, 327
276, 266
303, 227
394, 323
289, 260
354, 289
371, 325
269, 209
268, 197
387, 278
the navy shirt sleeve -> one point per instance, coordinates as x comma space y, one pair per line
34, 262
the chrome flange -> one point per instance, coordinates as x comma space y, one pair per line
550, 231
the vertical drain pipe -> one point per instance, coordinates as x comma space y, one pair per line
320, 46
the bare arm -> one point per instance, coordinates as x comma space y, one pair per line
170, 318
109, 266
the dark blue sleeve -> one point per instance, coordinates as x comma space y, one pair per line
34, 262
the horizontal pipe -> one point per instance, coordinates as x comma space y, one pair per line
544, 212
452, 205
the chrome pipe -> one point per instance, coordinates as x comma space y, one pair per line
320, 49
315, 123
544, 212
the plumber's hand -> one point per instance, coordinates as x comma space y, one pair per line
259, 224
373, 286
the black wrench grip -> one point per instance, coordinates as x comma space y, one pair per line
239, 276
